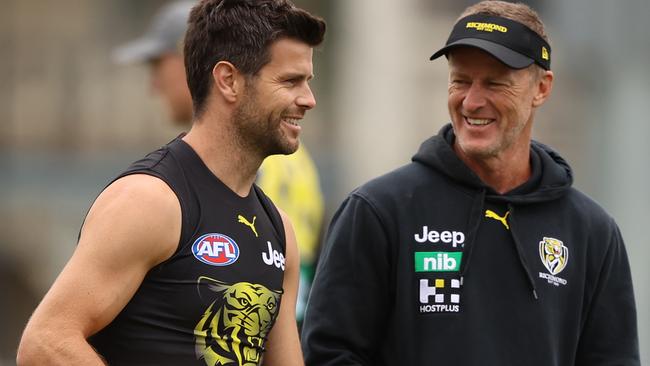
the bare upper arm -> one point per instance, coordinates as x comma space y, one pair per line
291, 251
133, 225
283, 343
291, 273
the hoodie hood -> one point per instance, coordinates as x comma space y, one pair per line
551, 174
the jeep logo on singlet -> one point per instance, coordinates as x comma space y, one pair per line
273, 258
215, 249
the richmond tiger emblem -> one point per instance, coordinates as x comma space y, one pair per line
554, 255
234, 328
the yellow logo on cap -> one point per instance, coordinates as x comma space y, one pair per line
486, 27
545, 53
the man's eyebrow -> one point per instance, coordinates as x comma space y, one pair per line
296, 75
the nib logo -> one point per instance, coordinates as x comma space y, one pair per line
438, 261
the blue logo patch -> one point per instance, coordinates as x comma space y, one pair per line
216, 249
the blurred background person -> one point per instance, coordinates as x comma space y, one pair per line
161, 49
291, 181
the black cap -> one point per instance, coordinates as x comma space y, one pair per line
509, 41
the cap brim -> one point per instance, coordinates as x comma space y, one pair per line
139, 50
504, 54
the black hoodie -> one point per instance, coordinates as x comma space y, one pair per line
427, 265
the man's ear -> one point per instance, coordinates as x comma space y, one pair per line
544, 85
227, 80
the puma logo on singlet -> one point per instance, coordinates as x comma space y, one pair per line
493, 215
251, 225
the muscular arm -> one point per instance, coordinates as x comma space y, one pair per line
132, 226
283, 345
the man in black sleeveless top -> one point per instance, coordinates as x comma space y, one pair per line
182, 260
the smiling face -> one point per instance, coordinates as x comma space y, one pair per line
491, 105
267, 120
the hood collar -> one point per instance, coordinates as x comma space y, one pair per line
551, 174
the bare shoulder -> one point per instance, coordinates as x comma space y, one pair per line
133, 225
139, 211
285, 218
291, 244
139, 188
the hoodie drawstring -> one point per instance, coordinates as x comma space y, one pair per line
520, 252
475, 217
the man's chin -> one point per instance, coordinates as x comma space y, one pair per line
285, 149
475, 151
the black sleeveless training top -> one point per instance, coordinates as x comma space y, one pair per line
215, 300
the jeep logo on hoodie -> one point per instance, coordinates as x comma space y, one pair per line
454, 238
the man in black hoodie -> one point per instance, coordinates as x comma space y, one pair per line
479, 252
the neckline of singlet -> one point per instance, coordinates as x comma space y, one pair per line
186, 148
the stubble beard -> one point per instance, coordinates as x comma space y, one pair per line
258, 132
494, 149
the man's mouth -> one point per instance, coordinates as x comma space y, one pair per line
292, 121
478, 121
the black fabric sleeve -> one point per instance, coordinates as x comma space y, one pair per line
350, 297
609, 336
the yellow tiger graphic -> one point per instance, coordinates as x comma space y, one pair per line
234, 328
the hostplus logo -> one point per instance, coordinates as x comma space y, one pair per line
441, 296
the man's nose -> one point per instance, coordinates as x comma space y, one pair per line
306, 99
474, 98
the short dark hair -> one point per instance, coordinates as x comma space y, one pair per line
240, 32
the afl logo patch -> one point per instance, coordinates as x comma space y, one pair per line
215, 249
